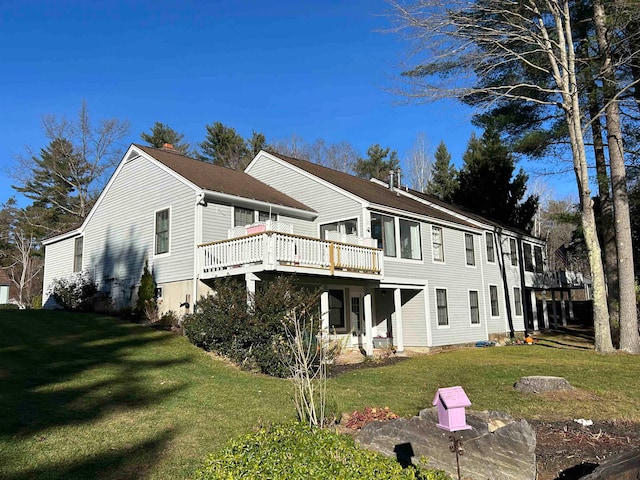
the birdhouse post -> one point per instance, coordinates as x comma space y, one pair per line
451, 402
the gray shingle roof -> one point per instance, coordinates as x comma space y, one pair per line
221, 179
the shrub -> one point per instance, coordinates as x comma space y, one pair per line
75, 292
251, 333
146, 290
297, 451
9, 306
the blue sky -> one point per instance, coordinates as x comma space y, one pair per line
316, 69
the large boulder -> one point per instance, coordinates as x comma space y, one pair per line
497, 446
625, 466
541, 384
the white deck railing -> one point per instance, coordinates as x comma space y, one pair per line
273, 249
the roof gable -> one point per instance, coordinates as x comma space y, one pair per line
215, 178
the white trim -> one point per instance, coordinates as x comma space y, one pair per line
497, 299
358, 226
435, 296
427, 313
471, 324
259, 205
155, 213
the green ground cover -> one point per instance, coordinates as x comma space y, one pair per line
88, 396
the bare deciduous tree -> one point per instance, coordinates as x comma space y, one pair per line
420, 163
460, 45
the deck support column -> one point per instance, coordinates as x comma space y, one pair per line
398, 335
554, 309
324, 312
563, 309
534, 310
368, 324
250, 281
545, 310
571, 317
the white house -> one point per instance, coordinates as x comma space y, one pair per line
391, 262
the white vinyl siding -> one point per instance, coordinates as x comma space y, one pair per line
58, 264
469, 249
118, 239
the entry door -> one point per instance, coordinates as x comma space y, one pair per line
356, 316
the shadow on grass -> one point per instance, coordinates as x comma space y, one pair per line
60, 369
124, 463
571, 338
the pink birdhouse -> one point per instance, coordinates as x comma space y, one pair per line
451, 402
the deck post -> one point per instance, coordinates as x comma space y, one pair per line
399, 333
324, 312
534, 311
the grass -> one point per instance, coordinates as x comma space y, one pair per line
86, 396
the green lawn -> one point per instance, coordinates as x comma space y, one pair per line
86, 396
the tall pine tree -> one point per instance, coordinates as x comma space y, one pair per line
487, 184
379, 162
161, 134
443, 183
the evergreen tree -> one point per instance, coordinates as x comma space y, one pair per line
224, 146
161, 134
147, 289
487, 184
443, 183
379, 162
56, 175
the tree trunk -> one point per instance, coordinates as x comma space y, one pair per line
605, 219
629, 338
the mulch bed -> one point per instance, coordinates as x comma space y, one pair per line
567, 450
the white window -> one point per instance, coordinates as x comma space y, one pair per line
162, 231
517, 299
441, 302
77, 254
469, 249
383, 230
336, 310
410, 240
528, 257
513, 248
438, 245
493, 295
247, 216
491, 253
474, 310
537, 253
344, 227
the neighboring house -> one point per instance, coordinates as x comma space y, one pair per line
390, 261
8, 293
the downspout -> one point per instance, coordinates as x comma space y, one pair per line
484, 288
505, 286
197, 239
523, 290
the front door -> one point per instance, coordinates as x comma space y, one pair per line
356, 317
